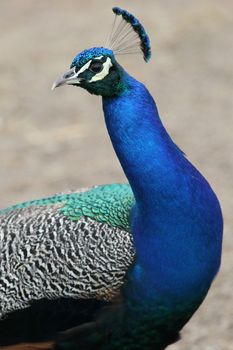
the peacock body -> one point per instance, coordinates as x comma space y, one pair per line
120, 266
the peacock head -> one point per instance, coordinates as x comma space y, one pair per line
97, 69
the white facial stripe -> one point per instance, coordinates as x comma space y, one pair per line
74, 78
101, 75
85, 67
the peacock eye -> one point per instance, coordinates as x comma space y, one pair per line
96, 67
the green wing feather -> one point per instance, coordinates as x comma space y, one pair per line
109, 204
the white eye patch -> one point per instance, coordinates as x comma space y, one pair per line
98, 76
101, 75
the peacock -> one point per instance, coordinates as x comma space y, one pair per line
117, 266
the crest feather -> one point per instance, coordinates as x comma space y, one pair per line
128, 36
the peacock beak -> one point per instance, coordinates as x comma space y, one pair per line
69, 78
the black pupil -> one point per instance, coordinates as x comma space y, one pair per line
96, 67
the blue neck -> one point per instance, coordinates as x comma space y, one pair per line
176, 223
145, 150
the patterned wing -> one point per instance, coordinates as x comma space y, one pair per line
75, 245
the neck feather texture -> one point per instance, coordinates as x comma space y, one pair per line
177, 222
147, 154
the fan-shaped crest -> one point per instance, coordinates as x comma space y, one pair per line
128, 36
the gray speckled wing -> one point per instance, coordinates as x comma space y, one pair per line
44, 254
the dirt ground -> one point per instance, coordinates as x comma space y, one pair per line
55, 141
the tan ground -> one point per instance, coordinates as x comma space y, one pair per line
51, 142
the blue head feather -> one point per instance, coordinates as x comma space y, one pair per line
88, 54
138, 28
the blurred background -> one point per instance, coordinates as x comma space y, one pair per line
56, 141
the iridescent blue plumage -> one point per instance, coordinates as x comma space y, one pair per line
138, 28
